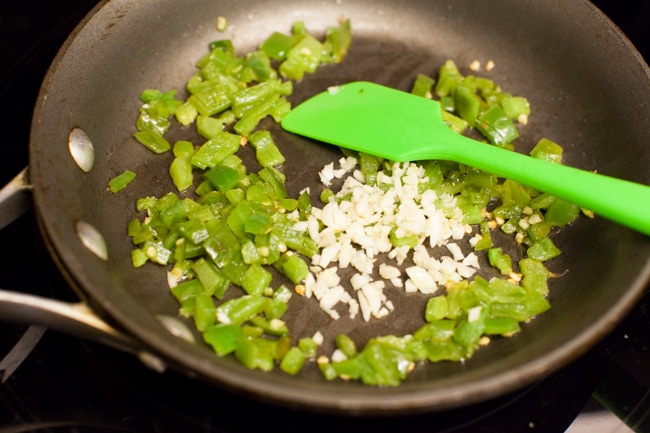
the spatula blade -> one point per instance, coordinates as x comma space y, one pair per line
369, 118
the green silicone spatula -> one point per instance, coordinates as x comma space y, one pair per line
396, 125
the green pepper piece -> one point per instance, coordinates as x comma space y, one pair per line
279, 109
268, 246
500, 260
416, 350
410, 241
208, 127
328, 371
454, 122
561, 212
369, 166
514, 310
205, 312
295, 268
278, 45
259, 63
134, 227
223, 338
187, 289
543, 249
180, 170
250, 253
256, 279
275, 308
223, 178
257, 352
267, 152
308, 346
239, 310
293, 361
174, 213
213, 281
535, 304
486, 237
508, 211
118, 183
514, 193
222, 246
385, 364
239, 216
469, 330
547, 150
211, 102
472, 213
154, 115
454, 295
447, 350
438, 329
194, 231
381, 362
296, 240
186, 114
259, 193
282, 294
337, 41
539, 230
467, 104
215, 151
448, 79
156, 252
275, 180
495, 125
220, 49
304, 57
497, 290
288, 204
422, 85
437, 308
247, 98
535, 275
514, 106
346, 345
542, 201
150, 95
249, 121
505, 326
153, 141
349, 368
270, 326
258, 223
138, 257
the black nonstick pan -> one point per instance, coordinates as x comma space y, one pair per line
589, 90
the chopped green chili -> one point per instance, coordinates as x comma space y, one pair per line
153, 141
422, 85
118, 183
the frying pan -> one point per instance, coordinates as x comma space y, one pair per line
589, 90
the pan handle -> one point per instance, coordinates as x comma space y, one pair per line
15, 198
76, 319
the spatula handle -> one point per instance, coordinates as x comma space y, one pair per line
622, 201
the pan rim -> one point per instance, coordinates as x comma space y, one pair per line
379, 403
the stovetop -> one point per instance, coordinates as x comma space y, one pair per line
52, 382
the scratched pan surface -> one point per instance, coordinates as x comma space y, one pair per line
589, 91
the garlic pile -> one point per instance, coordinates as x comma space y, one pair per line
354, 228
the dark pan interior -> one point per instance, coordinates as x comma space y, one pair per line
589, 91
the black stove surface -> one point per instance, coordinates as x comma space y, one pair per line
52, 382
